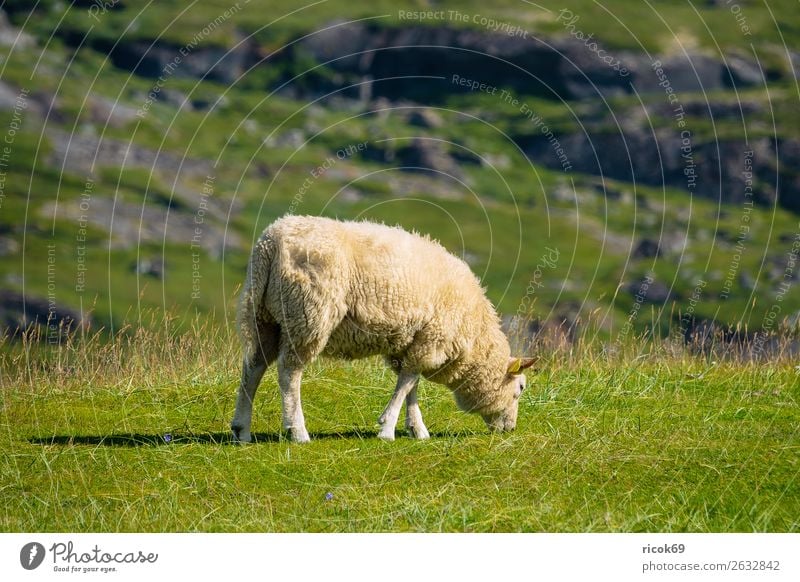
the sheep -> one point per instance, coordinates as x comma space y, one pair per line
317, 286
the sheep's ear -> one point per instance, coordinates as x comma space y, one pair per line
516, 365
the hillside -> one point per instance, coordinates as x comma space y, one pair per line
642, 177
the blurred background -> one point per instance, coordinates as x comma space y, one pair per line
615, 168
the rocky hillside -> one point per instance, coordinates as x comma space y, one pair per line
629, 167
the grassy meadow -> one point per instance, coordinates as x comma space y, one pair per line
131, 435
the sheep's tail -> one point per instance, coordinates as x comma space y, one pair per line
251, 313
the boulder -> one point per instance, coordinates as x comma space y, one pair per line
743, 72
426, 118
646, 248
650, 291
20, 313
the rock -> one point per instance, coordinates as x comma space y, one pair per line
421, 155
189, 197
674, 242
152, 267
794, 64
497, 161
646, 248
103, 110
563, 193
78, 152
560, 67
11, 36
465, 156
648, 221
746, 281
717, 109
262, 169
132, 224
8, 246
25, 104
175, 98
655, 158
423, 63
9, 96
727, 236
19, 312
208, 102
686, 73
156, 59
350, 196
649, 290
620, 195
743, 72
14, 279
164, 96
381, 108
425, 118
294, 138
361, 51
409, 184
709, 336
427, 154
780, 270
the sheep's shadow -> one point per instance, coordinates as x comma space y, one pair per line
213, 438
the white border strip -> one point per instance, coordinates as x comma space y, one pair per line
401, 557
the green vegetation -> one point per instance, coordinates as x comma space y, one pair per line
620, 24
500, 218
482, 220
637, 441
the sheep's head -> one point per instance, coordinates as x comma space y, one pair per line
504, 418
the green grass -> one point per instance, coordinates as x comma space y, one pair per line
648, 443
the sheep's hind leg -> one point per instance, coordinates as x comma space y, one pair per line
252, 372
289, 377
406, 381
414, 424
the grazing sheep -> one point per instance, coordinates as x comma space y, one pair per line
355, 289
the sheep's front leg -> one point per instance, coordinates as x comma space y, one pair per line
414, 424
252, 372
406, 381
289, 377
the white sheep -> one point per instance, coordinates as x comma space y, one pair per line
355, 289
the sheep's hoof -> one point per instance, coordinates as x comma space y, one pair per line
386, 435
240, 435
300, 435
418, 432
